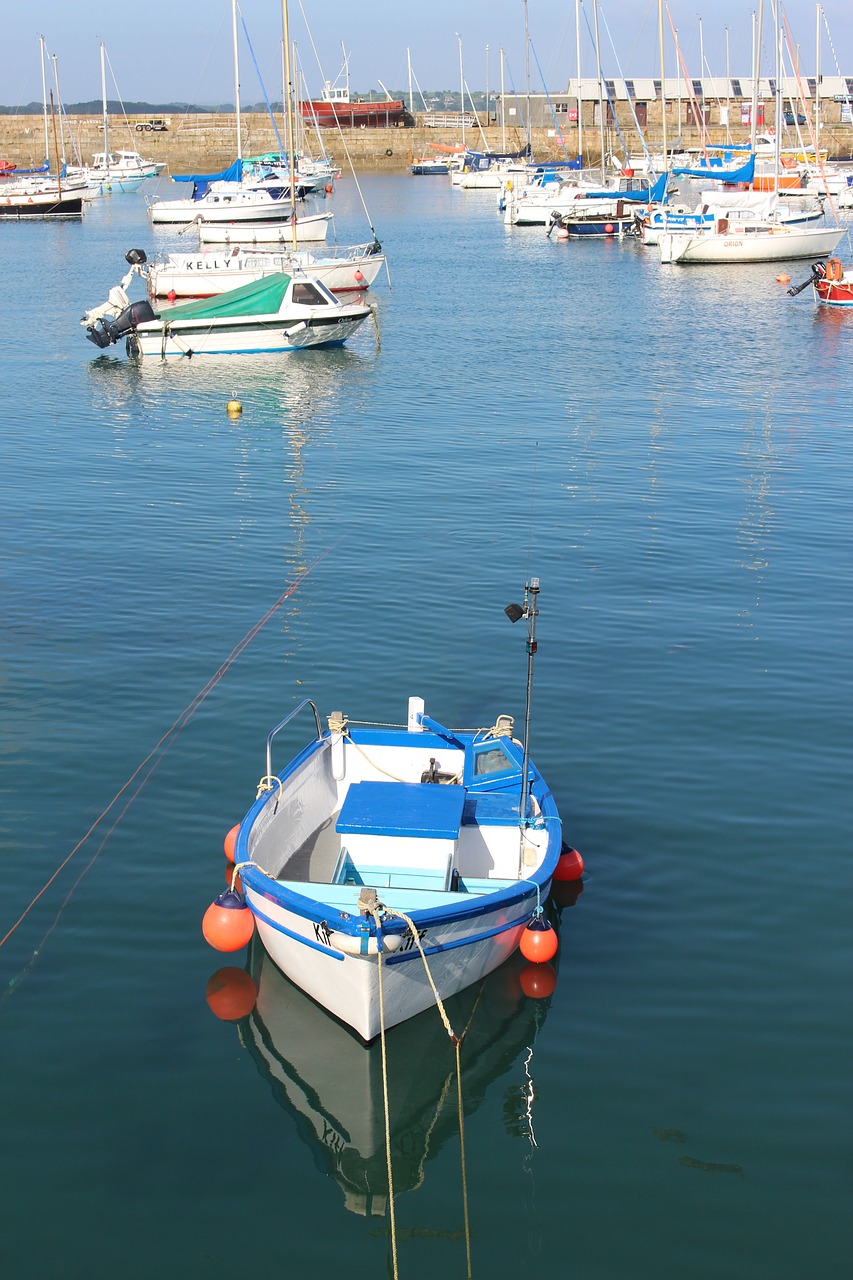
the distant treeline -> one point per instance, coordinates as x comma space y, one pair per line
436, 100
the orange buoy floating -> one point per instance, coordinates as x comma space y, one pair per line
608, 227
537, 980
228, 923
328, 188
539, 941
231, 841
231, 993
569, 864
782, 278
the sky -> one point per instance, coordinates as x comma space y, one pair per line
181, 50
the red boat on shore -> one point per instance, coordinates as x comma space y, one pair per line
336, 107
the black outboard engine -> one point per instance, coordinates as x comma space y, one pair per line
136, 257
109, 329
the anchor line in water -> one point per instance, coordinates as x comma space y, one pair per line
155, 755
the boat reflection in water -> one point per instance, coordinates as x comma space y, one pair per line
324, 1075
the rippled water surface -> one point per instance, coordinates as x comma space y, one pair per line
670, 450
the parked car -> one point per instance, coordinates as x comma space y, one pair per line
150, 126
789, 118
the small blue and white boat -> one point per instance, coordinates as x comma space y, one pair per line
388, 866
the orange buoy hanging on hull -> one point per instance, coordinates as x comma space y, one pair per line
569, 864
537, 981
539, 941
231, 841
231, 993
228, 923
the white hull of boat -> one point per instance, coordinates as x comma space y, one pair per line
310, 229
205, 274
222, 206
248, 336
448, 859
782, 243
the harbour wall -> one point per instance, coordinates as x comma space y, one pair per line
205, 143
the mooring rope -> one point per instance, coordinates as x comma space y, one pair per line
152, 759
391, 1208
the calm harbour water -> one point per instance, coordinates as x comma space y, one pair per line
670, 451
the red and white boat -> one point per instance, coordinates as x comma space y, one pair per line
336, 107
833, 286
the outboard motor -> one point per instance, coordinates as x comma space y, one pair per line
108, 329
136, 257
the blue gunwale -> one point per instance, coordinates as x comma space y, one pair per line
312, 907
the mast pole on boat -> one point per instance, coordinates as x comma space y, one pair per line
104, 107
236, 79
600, 90
529, 612
44, 101
461, 87
503, 105
663, 87
756, 67
817, 82
527, 124
288, 95
578, 4
411, 99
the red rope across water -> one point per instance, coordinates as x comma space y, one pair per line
161, 747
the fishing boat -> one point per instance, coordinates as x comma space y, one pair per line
278, 313
833, 286
386, 867
331, 1086
344, 269
336, 107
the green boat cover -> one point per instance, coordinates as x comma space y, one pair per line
262, 298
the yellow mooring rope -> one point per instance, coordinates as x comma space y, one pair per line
457, 1043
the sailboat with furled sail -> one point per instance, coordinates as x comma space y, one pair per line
258, 208
735, 237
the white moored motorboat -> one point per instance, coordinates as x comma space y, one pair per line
386, 866
204, 274
278, 313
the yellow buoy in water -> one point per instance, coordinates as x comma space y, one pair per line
234, 408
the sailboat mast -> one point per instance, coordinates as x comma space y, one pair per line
503, 105
55, 61
236, 78
288, 104
817, 79
756, 66
600, 90
662, 85
461, 87
527, 127
777, 44
578, 4
411, 99
104, 106
44, 101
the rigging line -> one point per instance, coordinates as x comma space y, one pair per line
340, 131
263, 89
185, 716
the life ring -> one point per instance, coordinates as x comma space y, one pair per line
388, 151
834, 270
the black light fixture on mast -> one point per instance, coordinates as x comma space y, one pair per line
515, 612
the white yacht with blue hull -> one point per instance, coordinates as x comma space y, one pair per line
384, 866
